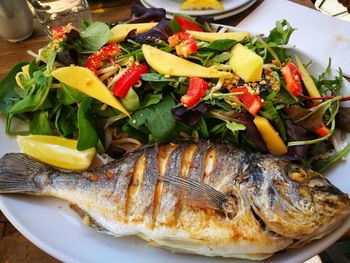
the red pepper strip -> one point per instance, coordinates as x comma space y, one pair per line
195, 92
58, 32
322, 131
128, 79
253, 103
184, 43
95, 60
186, 24
292, 77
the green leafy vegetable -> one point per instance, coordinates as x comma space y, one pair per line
271, 113
68, 95
95, 36
235, 126
325, 164
220, 45
66, 120
8, 95
88, 136
40, 124
157, 119
150, 99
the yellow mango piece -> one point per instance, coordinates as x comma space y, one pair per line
245, 63
87, 82
119, 32
201, 5
308, 81
212, 36
169, 64
273, 141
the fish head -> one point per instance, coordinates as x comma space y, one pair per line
295, 201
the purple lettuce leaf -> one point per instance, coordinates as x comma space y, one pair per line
192, 116
296, 133
141, 14
159, 32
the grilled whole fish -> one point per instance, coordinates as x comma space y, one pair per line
203, 198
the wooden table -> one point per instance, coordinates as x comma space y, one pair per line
13, 246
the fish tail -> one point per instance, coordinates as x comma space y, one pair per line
18, 173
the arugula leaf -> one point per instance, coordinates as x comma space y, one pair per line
280, 35
220, 45
95, 36
325, 164
68, 95
8, 95
36, 96
66, 120
157, 119
41, 124
88, 136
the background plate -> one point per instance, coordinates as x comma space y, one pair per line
51, 225
172, 6
218, 16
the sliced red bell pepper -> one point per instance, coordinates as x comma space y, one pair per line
128, 79
292, 77
195, 92
58, 32
186, 24
253, 103
184, 43
322, 131
96, 60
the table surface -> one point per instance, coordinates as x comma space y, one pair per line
13, 246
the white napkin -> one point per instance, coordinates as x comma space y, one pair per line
317, 34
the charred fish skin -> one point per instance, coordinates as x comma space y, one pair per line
203, 198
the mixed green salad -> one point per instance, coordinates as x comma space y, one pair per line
174, 80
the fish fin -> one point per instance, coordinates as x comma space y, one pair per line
196, 193
17, 171
89, 220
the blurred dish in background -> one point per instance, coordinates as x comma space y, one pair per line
332, 8
217, 16
173, 6
16, 20
62, 12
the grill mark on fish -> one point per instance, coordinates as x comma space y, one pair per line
144, 199
134, 187
209, 163
169, 196
163, 156
121, 183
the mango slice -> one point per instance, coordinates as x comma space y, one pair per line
86, 81
169, 64
273, 141
212, 36
119, 32
308, 81
245, 63
201, 5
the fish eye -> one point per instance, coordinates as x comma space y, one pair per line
297, 174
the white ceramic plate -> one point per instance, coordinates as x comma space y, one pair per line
332, 8
217, 16
52, 226
173, 6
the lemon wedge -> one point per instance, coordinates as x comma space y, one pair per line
201, 5
56, 151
